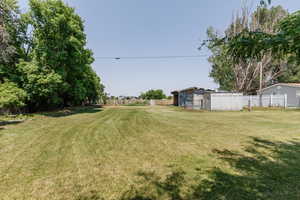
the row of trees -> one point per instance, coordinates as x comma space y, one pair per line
153, 94
44, 62
243, 52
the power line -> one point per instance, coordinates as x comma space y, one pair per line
150, 57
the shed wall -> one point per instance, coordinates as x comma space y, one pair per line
186, 99
266, 100
198, 101
226, 101
293, 94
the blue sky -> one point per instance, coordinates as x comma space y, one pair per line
117, 28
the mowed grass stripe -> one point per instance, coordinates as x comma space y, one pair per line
50, 155
63, 157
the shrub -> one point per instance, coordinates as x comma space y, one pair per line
12, 98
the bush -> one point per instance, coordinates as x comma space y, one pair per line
12, 98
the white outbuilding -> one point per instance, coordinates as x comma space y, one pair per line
291, 90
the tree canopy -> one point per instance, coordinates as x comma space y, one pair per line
153, 94
43, 52
242, 75
284, 45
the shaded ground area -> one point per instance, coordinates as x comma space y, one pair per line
266, 170
10, 122
147, 153
73, 111
6, 121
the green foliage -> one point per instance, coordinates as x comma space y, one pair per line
59, 42
222, 67
234, 72
284, 45
11, 97
287, 41
8, 37
44, 52
41, 84
153, 94
59, 39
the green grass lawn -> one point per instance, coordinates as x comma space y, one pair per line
147, 153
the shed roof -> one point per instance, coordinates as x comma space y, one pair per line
203, 90
283, 84
184, 90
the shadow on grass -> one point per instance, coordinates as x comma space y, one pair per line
10, 122
73, 111
4, 123
155, 187
93, 195
265, 170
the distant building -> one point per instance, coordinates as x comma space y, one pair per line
189, 97
291, 90
204, 99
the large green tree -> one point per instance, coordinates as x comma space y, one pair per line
12, 97
59, 49
284, 45
43, 52
242, 75
9, 38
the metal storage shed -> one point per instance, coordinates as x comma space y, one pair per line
291, 90
202, 99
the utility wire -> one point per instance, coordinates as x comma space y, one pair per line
149, 57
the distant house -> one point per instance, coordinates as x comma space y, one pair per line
291, 90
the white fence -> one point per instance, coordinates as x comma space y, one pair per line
266, 101
226, 101
234, 101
